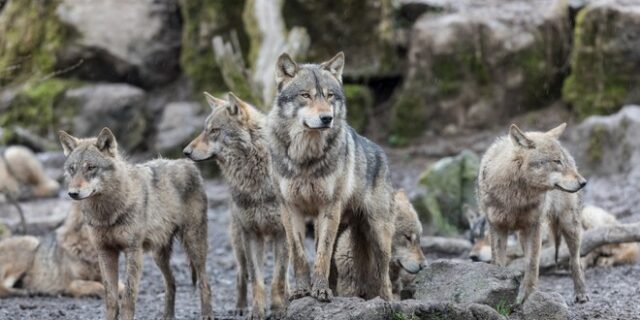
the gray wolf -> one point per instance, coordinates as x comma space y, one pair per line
133, 208
592, 217
63, 263
407, 258
234, 136
522, 180
324, 170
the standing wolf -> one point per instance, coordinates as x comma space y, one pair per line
234, 136
521, 180
136, 208
325, 170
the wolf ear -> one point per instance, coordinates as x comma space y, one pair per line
237, 107
106, 142
286, 68
557, 131
68, 142
213, 101
519, 138
335, 65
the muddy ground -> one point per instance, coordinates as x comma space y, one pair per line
614, 291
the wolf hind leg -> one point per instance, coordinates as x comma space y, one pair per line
162, 258
85, 288
194, 242
279, 285
242, 275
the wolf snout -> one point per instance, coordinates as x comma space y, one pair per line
582, 183
187, 151
326, 120
74, 195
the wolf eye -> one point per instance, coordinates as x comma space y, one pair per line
306, 95
408, 237
558, 162
330, 95
90, 167
213, 130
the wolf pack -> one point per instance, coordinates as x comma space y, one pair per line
301, 163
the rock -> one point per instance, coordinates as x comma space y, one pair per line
179, 124
544, 306
369, 44
53, 164
478, 65
202, 20
467, 282
42, 215
450, 184
604, 62
121, 107
5, 232
607, 145
357, 308
120, 40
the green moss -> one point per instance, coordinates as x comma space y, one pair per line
601, 79
504, 308
359, 105
595, 147
409, 116
202, 20
34, 106
31, 37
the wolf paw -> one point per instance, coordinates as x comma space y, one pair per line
257, 315
582, 298
521, 298
322, 294
298, 293
277, 314
239, 312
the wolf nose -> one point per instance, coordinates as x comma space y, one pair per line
474, 258
583, 183
326, 119
186, 151
74, 194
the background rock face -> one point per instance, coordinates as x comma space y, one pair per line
605, 61
180, 123
120, 40
474, 68
120, 107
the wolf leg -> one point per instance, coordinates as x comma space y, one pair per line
532, 241
294, 226
194, 242
242, 275
328, 223
108, 262
84, 288
162, 258
133, 267
254, 248
572, 234
382, 235
499, 240
279, 285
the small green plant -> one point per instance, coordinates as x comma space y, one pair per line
402, 316
503, 308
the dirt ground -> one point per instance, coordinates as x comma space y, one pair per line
614, 292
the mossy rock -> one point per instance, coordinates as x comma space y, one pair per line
476, 77
5, 232
359, 105
32, 36
368, 45
450, 184
34, 106
202, 20
605, 74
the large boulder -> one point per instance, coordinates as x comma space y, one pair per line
120, 40
378, 309
478, 65
369, 44
450, 185
179, 124
608, 145
121, 107
467, 282
605, 62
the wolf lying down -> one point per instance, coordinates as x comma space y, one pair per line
63, 263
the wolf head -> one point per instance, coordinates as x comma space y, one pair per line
90, 163
227, 128
405, 248
545, 164
310, 96
479, 237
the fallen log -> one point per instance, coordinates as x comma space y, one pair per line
591, 240
445, 245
